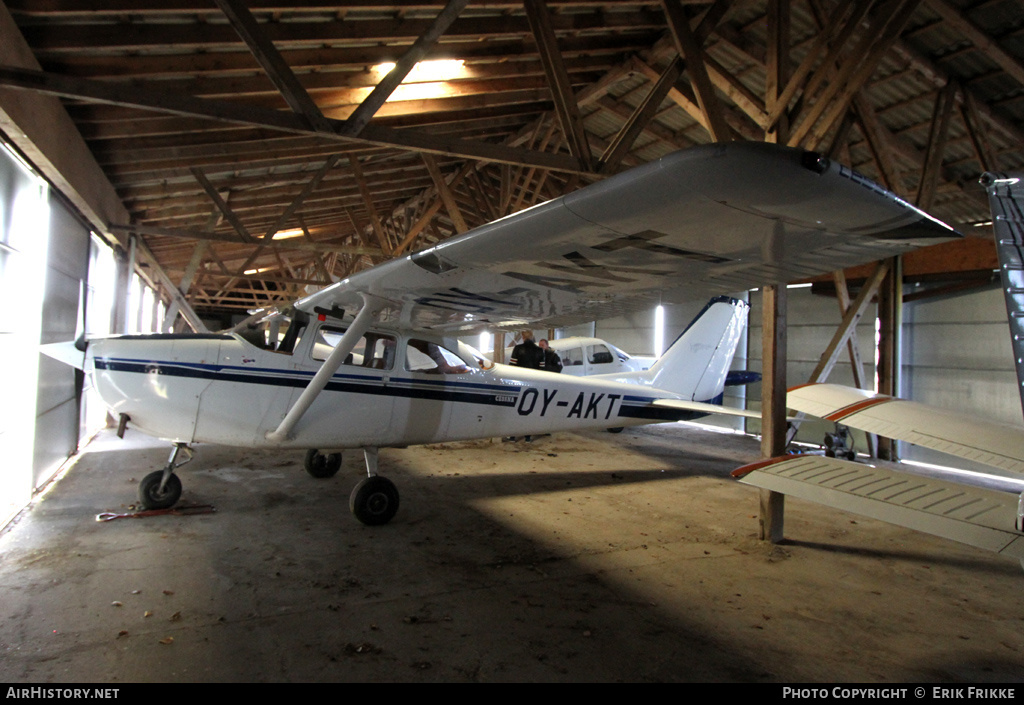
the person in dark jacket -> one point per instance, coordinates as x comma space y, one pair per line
552, 363
527, 353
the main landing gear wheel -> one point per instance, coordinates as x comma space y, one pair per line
152, 497
374, 500
322, 465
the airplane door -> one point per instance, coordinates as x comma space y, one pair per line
355, 409
428, 388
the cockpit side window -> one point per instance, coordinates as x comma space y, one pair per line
431, 358
374, 350
599, 355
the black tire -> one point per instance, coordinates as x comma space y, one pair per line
374, 501
150, 495
322, 465
617, 429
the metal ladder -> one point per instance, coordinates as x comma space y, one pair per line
1006, 198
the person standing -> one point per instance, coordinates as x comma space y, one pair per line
552, 363
527, 353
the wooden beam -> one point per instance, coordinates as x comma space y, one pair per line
777, 70
143, 97
936, 147
985, 44
310, 186
364, 188
773, 402
446, 195
273, 64
987, 158
642, 115
831, 104
383, 90
222, 205
40, 127
289, 244
689, 49
780, 101
566, 107
878, 143
849, 324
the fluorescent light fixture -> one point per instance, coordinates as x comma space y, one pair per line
659, 331
285, 234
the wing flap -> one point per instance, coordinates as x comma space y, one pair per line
975, 516
998, 445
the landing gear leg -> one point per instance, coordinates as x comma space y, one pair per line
162, 488
374, 501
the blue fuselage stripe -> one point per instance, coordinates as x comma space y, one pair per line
631, 407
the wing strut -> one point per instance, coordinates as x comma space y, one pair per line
316, 385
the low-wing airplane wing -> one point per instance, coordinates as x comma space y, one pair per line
701, 222
998, 445
975, 509
978, 516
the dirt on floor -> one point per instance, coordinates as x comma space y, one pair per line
575, 557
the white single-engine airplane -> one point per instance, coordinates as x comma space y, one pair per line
373, 361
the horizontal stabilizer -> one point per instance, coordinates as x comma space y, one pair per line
975, 516
704, 408
995, 444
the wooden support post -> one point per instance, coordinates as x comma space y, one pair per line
773, 402
890, 305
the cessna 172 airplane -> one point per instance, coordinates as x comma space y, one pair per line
373, 361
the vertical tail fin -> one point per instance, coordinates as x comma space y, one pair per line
697, 363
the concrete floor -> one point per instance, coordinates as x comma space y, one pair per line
578, 557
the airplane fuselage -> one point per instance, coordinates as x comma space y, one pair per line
222, 389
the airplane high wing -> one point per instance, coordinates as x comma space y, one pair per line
374, 360
701, 222
982, 511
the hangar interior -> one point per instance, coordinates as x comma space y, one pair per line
170, 165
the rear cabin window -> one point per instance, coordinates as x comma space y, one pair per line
572, 356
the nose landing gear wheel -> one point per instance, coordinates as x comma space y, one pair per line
152, 497
374, 501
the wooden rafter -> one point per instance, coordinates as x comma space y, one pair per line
558, 78
149, 99
936, 146
689, 48
273, 63
358, 120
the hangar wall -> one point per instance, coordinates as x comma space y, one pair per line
57, 406
45, 260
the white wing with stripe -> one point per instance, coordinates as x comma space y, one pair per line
998, 445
